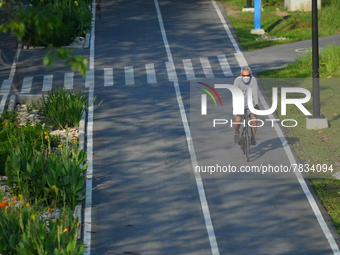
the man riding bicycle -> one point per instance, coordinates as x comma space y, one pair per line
243, 82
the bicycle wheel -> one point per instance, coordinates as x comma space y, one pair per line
246, 147
242, 143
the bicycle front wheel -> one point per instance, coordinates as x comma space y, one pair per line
246, 147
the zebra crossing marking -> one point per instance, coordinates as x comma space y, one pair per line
225, 65
26, 85
108, 77
189, 70
151, 73
129, 76
68, 80
47, 83
207, 68
6, 86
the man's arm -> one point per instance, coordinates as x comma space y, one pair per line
255, 91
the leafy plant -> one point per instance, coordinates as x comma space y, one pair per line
49, 177
23, 231
64, 108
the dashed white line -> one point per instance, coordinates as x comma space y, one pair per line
189, 70
68, 80
150, 73
27, 85
6, 86
225, 65
108, 77
47, 83
206, 68
129, 76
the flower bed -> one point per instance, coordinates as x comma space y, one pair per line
44, 177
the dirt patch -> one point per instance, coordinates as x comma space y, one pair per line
231, 11
281, 13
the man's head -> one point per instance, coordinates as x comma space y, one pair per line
245, 75
245, 72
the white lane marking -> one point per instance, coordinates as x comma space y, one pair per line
199, 183
206, 68
129, 76
224, 65
14, 65
171, 70
27, 85
3, 102
47, 83
240, 58
89, 82
68, 80
6, 86
150, 73
108, 77
189, 70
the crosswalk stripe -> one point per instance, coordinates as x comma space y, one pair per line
225, 65
6, 86
189, 70
47, 83
68, 80
27, 85
108, 77
129, 77
206, 68
150, 73
241, 60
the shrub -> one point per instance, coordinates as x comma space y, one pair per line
75, 17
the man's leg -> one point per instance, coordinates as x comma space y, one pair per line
237, 128
253, 128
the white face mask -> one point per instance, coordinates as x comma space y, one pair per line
246, 79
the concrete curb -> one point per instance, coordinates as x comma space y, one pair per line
79, 208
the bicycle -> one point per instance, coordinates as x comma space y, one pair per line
244, 140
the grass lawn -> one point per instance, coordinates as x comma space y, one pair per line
315, 146
278, 22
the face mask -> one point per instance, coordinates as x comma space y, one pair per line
246, 79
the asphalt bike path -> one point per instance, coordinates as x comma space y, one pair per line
145, 198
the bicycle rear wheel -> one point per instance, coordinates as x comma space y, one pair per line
246, 147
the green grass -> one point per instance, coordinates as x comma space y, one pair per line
315, 146
295, 26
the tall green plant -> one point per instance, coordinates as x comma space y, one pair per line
23, 231
64, 108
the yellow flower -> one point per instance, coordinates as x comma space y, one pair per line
75, 140
21, 198
76, 2
33, 217
55, 188
60, 146
28, 205
6, 123
65, 230
11, 204
45, 133
46, 137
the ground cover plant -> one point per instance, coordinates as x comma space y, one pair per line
316, 146
278, 22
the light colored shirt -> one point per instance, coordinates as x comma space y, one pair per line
244, 87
